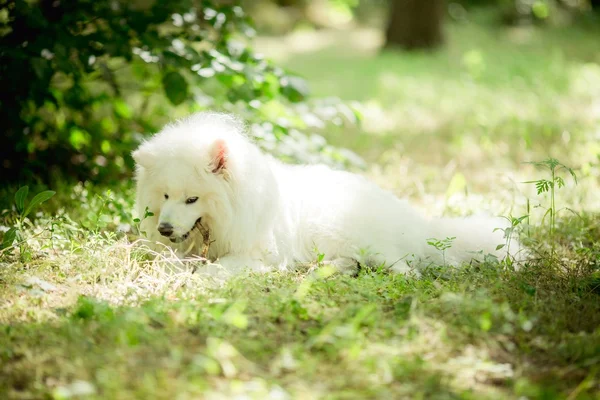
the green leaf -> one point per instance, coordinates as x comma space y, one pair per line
294, 88
9, 237
122, 109
500, 246
572, 174
176, 87
105, 146
20, 197
548, 211
148, 213
517, 221
37, 200
543, 185
79, 138
41, 68
358, 116
540, 9
485, 321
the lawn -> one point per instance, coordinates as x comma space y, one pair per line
86, 314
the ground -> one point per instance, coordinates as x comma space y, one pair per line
85, 313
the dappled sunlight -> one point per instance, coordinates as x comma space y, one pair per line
585, 80
471, 91
470, 184
277, 335
120, 273
474, 369
357, 42
498, 121
375, 119
422, 343
477, 111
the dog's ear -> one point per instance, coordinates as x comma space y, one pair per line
143, 157
218, 156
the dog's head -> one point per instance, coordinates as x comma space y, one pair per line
184, 183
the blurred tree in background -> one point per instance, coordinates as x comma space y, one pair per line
83, 81
415, 24
280, 16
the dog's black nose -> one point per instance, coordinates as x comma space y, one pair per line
165, 229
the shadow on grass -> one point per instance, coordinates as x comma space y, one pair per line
483, 332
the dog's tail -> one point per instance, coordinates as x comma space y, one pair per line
460, 240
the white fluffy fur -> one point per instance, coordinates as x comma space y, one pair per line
265, 214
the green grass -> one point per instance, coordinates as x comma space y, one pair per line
102, 313
83, 310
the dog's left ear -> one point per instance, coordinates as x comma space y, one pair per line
143, 157
218, 156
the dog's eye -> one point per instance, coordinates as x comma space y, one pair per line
191, 200
166, 196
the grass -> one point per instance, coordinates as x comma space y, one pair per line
85, 313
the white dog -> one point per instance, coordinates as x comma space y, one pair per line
264, 214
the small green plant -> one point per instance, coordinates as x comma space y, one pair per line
138, 221
442, 245
98, 218
320, 257
509, 232
23, 210
553, 166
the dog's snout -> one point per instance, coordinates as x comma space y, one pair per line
165, 229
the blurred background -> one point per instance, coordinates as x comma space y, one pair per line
440, 97
461, 106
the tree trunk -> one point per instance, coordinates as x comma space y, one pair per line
415, 24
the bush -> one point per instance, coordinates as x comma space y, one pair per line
84, 81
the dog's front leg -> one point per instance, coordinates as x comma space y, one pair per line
236, 264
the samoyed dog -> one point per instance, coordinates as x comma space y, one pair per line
262, 214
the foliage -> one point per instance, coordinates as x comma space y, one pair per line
22, 211
553, 166
441, 245
510, 233
82, 82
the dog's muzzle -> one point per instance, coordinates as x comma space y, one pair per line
166, 230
